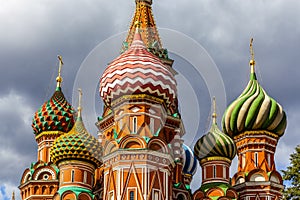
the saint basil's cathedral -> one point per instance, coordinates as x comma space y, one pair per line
139, 153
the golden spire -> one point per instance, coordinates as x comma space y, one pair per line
214, 114
143, 17
252, 61
59, 78
79, 103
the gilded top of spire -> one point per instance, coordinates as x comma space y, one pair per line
214, 115
59, 78
252, 61
79, 103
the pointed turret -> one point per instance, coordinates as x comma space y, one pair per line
77, 155
256, 122
143, 18
215, 151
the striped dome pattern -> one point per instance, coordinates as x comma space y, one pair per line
54, 115
215, 143
137, 71
76, 144
189, 160
254, 110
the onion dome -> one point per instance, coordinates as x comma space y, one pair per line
77, 144
254, 110
55, 114
137, 71
189, 161
215, 143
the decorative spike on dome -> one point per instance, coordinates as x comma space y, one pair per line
55, 114
215, 143
252, 61
59, 78
144, 17
77, 144
254, 109
214, 115
79, 103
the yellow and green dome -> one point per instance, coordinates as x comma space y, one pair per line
54, 115
254, 110
77, 144
215, 143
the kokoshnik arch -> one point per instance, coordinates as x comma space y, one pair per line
139, 153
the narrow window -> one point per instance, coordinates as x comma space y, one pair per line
156, 195
152, 125
224, 172
134, 124
214, 171
84, 177
131, 195
62, 177
256, 159
243, 160
72, 176
204, 173
269, 160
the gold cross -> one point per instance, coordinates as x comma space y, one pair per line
59, 78
251, 49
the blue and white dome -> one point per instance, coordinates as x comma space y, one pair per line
189, 160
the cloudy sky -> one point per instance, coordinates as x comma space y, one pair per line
34, 32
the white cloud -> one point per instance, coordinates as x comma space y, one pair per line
16, 136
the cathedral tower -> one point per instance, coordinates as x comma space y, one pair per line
141, 125
256, 122
215, 151
54, 118
77, 154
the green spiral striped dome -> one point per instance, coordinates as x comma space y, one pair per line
254, 110
77, 144
54, 115
215, 143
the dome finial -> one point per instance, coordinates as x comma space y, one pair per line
59, 78
214, 115
252, 61
79, 103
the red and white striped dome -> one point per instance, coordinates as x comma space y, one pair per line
137, 71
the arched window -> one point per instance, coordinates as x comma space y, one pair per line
181, 197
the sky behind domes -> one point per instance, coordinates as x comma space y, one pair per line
34, 32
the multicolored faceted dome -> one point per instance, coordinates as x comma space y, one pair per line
54, 115
76, 144
137, 71
254, 110
215, 143
189, 160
